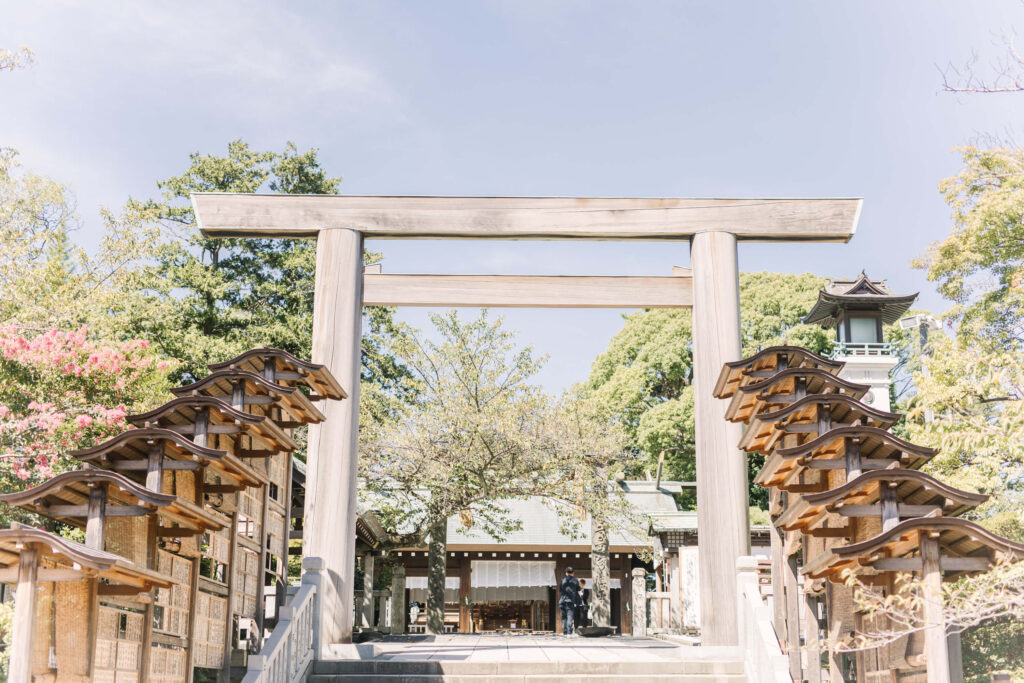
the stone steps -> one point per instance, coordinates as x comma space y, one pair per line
392, 671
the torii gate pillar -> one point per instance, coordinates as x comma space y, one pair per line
333, 445
723, 524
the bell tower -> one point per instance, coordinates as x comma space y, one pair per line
857, 310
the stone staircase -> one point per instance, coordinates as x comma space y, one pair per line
391, 671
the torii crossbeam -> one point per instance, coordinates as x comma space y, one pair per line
712, 226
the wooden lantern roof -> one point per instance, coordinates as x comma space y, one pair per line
75, 561
860, 294
964, 548
781, 389
256, 391
287, 369
802, 416
917, 495
65, 498
180, 416
766, 363
878, 449
127, 453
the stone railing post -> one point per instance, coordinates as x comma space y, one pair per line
639, 602
398, 611
313, 574
746, 582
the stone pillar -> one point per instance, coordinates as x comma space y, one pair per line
313, 574
639, 601
367, 606
722, 507
398, 611
330, 510
600, 575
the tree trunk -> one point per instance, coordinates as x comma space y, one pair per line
600, 593
437, 552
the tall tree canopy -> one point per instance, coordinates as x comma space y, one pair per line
979, 267
646, 373
970, 387
207, 299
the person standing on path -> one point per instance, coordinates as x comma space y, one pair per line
568, 601
582, 617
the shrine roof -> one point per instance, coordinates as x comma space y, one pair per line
966, 546
133, 446
181, 413
221, 384
778, 390
92, 563
783, 464
912, 488
765, 429
861, 294
765, 362
314, 376
64, 496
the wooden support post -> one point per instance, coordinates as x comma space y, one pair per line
854, 466
330, 510
792, 583
722, 505
367, 607
810, 623
229, 631
155, 467
935, 652
466, 594
97, 518
200, 435
20, 670
890, 505
778, 587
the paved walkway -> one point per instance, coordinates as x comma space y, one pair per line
534, 648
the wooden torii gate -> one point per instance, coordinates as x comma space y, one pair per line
712, 226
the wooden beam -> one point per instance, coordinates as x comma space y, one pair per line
10, 575
537, 218
96, 513
143, 466
948, 564
527, 291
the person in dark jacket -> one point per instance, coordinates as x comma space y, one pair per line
582, 617
569, 601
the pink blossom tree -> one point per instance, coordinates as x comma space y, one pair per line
61, 391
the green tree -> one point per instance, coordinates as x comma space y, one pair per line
979, 267
474, 436
46, 281
207, 299
645, 375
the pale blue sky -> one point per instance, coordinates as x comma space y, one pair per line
520, 98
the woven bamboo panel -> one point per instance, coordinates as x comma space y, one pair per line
250, 506
118, 653
167, 665
248, 587
171, 605
128, 537
278, 474
211, 614
276, 534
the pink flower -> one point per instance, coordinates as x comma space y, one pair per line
83, 420
4, 411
